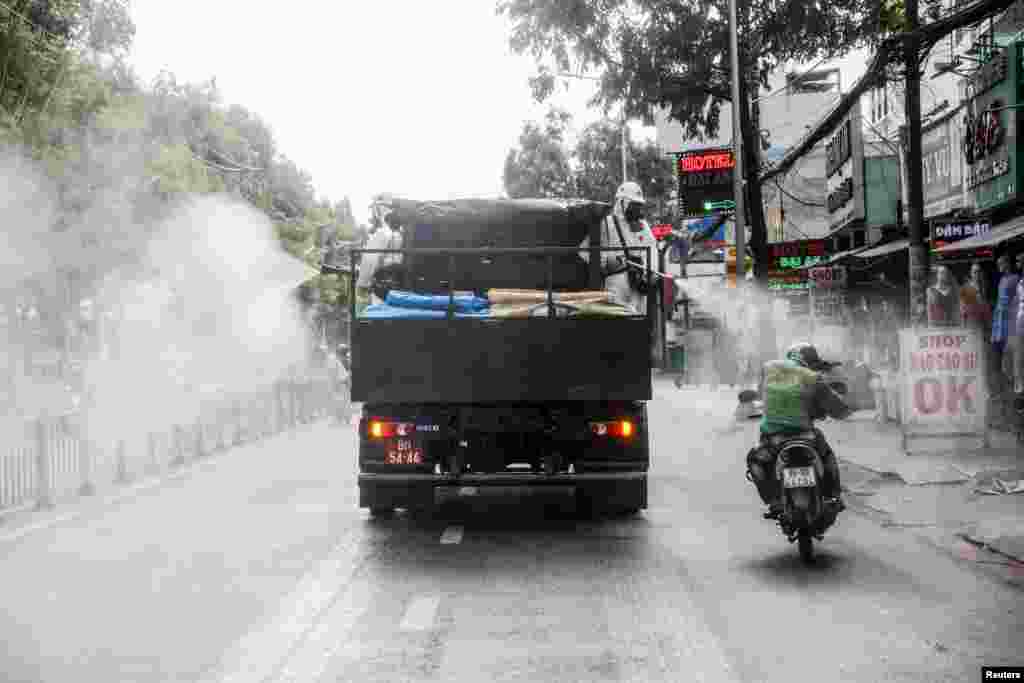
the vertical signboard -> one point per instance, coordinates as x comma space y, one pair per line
705, 180
940, 168
944, 392
844, 171
989, 130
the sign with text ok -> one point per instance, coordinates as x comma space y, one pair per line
943, 380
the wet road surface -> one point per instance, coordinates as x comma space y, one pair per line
258, 566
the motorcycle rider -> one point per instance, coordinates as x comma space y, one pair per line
795, 395
625, 226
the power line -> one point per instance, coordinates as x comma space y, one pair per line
797, 199
790, 84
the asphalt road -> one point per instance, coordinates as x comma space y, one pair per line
257, 566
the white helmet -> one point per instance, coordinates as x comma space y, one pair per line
630, 191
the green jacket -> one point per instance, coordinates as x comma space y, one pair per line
794, 397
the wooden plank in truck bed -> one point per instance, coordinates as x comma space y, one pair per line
497, 360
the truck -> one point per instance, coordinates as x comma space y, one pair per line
554, 403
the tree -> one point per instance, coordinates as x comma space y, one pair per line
591, 169
540, 167
597, 163
675, 54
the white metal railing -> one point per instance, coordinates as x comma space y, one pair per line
47, 459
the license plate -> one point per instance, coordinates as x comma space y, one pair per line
798, 477
403, 452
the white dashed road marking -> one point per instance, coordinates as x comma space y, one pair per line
452, 534
419, 615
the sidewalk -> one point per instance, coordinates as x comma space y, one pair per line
957, 492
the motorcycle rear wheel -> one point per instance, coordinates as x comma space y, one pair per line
806, 545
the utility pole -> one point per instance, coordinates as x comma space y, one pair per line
737, 142
918, 251
625, 173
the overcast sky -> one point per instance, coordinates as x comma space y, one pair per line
420, 99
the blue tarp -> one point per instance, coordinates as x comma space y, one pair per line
464, 303
380, 311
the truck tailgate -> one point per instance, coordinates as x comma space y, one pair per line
497, 360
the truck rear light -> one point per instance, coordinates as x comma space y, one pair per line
620, 428
382, 429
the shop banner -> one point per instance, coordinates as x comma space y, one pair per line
943, 381
828, 277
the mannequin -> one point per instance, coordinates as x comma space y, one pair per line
1006, 301
944, 299
1016, 340
975, 310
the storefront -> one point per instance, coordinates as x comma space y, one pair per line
862, 186
990, 151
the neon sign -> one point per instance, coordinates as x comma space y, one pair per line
705, 180
695, 162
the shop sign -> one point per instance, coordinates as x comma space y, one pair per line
984, 151
989, 144
787, 263
795, 254
947, 232
940, 169
942, 381
827, 277
838, 150
790, 284
705, 177
844, 172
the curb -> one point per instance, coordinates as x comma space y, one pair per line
966, 536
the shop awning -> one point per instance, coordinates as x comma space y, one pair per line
885, 249
998, 235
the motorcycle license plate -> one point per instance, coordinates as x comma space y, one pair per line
403, 452
798, 477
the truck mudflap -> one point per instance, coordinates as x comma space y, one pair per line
593, 490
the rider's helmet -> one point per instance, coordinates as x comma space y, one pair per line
806, 355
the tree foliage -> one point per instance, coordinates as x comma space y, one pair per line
540, 166
545, 165
69, 100
675, 53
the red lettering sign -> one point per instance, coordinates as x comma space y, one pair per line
706, 161
956, 396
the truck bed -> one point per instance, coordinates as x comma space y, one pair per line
501, 360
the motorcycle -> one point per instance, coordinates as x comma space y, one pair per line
799, 473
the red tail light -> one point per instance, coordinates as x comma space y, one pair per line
383, 429
623, 429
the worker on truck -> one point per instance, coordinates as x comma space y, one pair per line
626, 227
386, 233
